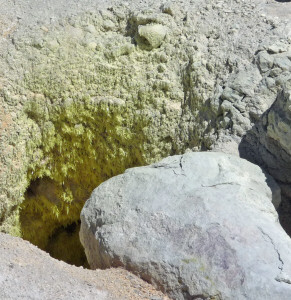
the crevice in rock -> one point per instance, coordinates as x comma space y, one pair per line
181, 163
222, 183
281, 263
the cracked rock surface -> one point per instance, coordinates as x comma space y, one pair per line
198, 225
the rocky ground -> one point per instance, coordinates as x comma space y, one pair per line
90, 88
29, 273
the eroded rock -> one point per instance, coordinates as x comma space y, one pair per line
268, 144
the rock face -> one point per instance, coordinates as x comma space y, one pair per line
90, 88
199, 226
26, 272
269, 144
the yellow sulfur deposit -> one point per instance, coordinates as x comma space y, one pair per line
93, 101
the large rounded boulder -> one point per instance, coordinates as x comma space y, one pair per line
198, 226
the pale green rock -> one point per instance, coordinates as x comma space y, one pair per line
92, 104
153, 33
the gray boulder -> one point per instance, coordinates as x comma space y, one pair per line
198, 226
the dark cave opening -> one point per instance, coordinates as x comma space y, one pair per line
65, 245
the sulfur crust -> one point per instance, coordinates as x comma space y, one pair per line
94, 104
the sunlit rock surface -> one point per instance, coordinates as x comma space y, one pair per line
90, 88
201, 225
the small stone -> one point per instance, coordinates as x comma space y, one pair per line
283, 63
277, 48
43, 28
108, 25
91, 45
91, 28
265, 61
171, 9
153, 33
53, 45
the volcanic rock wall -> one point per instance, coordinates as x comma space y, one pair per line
89, 90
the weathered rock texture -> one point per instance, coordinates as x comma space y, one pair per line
90, 88
201, 225
269, 145
26, 272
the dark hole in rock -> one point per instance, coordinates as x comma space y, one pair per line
65, 245
40, 226
81, 147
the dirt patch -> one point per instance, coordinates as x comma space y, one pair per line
29, 273
280, 9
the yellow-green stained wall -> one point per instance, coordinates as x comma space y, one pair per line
90, 102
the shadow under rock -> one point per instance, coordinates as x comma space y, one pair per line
259, 148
